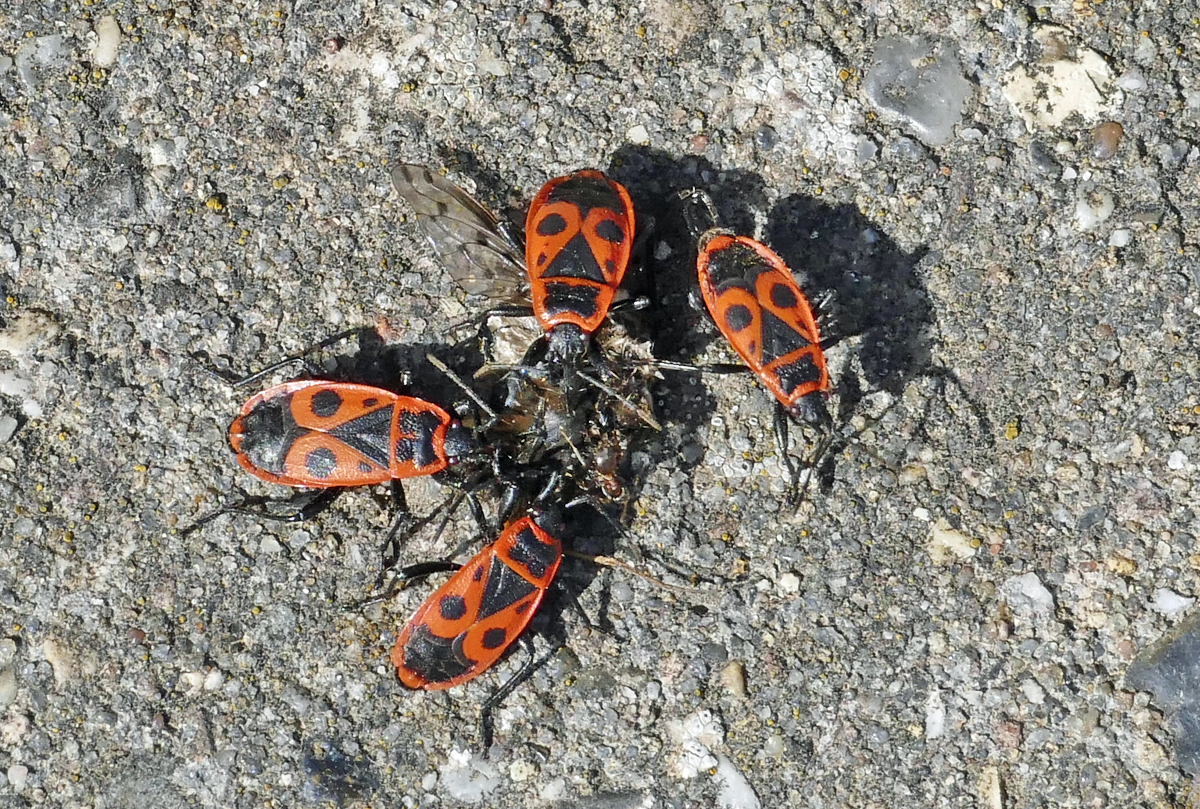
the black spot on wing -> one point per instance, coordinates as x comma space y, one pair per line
320, 463
326, 403
610, 231
551, 225
738, 317
452, 607
783, 297
494, 638
370, 434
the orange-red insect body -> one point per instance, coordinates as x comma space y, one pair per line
332, 434
468, 623
578, 241
759, 307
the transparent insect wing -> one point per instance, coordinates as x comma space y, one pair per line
466, 237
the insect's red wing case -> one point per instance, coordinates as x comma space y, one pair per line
471, 620
322, 434
761, 310
578, 242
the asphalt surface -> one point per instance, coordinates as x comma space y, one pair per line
1007, 519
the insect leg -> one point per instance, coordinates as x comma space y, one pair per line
299, 359
396, 535
486, 726
402, 577
304, 506
781, 441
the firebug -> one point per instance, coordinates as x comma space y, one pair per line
321, 434
468, 623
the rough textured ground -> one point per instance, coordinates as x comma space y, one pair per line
946, 622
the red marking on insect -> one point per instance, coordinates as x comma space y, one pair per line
468, 623
578, 240
759, 307
331, 434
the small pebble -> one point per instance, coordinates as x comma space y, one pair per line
1120, 238
8, 687
947, 544
1106, 138
108, 39
935, 715
735, 791
920, 82
8, 427
638, 135
733, 677
522, 770
991, 789
766, 138
866, 150
1169, 602
555, 790
1093, 208
773, 746
18, 774
1027, 595
1177, 460
622, 593
1132, 81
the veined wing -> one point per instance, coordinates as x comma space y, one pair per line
465, 236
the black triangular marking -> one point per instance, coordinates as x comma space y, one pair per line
575, 260
504, 588
370, 434
779, 338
